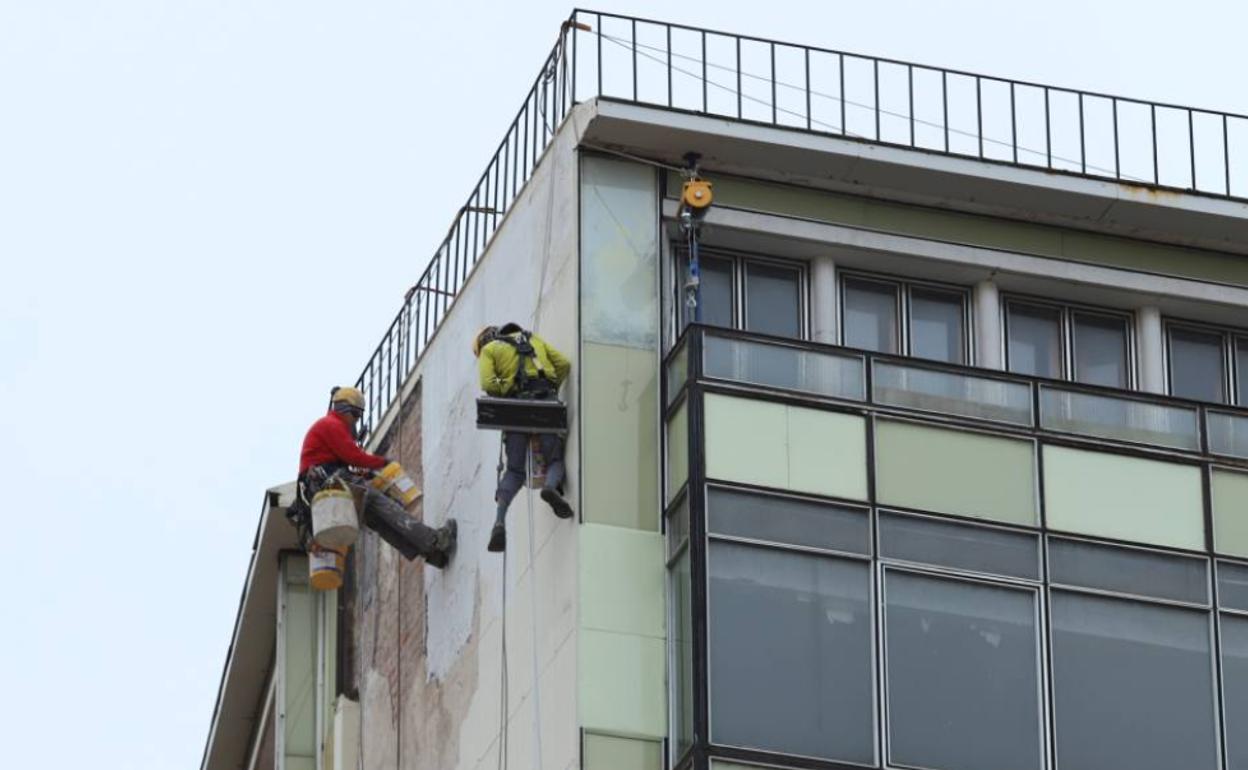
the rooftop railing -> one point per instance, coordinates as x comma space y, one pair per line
818, 90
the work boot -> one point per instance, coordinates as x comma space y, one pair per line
498, 538
444, 546
557, 504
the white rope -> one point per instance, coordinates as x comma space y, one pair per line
537, 687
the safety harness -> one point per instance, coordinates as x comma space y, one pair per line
520, 340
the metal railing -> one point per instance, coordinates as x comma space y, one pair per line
818, 90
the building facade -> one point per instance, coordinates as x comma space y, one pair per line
950, 473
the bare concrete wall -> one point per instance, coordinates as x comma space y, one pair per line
429, 643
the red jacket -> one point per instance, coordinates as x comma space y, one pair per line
329, 440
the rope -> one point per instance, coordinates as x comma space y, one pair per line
537, 687
502, 706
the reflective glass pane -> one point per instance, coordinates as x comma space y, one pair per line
788, 520
677, 450
961, 546
677, 372
1128, 571
1120, 418
790, 653
936, 325
1232, 586
715, 287
963, 674
781, 366
985, 398
1196, 366
1229, 493
1228, 433
773, 299
1035, 340
1101, 350
1235, 689
1132, 685
682, 653
870, 315
678, 526
1241, 369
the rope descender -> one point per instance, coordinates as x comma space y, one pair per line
695, 201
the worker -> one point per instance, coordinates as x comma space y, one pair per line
330, 452
514, 363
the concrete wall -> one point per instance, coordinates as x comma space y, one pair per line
429, 643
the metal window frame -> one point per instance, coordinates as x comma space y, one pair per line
903, 315
740, 260
1067, 311
1227, 337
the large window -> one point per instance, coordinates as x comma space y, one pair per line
1062, 342
745, 292
1207, 364
891, 316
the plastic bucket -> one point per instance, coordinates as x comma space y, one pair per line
334, 523
325, 566
395, 482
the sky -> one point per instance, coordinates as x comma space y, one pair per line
209, 213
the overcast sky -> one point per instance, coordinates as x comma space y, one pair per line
210, 210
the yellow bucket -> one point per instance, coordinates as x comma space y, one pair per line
325, 566
334, 522
395, 482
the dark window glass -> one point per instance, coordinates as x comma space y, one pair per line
961, 546
1129, 571
682, 652
1235, 689
1100, 350
1132, 685
1196, 369
1035, 340
716, 291
789, 520
790, 653
936, 325
963, 674
1232, 586
772, 300
870, 315
1241, 368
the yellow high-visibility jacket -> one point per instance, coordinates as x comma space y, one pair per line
499, 362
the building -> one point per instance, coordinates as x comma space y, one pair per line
953, 474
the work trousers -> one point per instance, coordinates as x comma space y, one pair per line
383, 515
516, 449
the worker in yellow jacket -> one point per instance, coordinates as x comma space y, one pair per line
514, 363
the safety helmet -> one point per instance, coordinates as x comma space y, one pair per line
344, 398
483, 338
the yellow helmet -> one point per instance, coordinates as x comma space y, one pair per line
482, 338
346, 395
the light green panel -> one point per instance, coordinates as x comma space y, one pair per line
298, 672
1129, 498
1230, 512
971, 229
622, 683
786, 447
677, 451
948, 471
719, 764
609, 752
619, 252
621, 579
619, 401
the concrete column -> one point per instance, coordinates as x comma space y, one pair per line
987, 316
1150, 344
823, 310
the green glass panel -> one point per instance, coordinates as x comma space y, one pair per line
622, 683
1230, 512
746, 441
621, 578
609, 752
677, 451
1127, 498
958, 472
619, 400
827, 453
299, 635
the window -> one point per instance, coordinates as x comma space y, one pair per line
898, 317
1059, 342
741, 292
1207, 364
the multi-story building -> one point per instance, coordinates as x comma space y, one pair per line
952, 473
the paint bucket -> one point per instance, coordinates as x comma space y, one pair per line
334, 523
325, 566
395, 482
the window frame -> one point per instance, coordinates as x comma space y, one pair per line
1228, 346
1066, 336
740, 260
903, 289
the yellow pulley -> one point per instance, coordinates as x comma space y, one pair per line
696, 194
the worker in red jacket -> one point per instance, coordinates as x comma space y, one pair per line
330, 452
